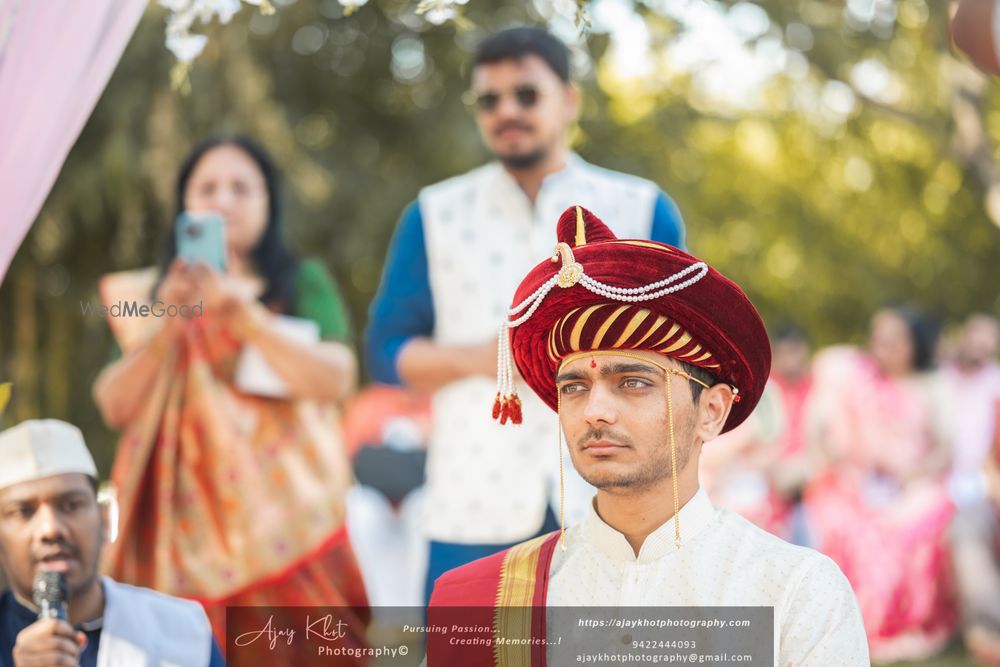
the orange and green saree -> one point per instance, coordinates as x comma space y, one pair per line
227, 498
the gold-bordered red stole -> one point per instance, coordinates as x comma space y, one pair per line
479, 610
519, 613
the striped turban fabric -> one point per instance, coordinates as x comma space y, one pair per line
599, 292
612, 326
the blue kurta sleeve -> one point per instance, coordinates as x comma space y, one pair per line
668, 226
216, 659
403, 307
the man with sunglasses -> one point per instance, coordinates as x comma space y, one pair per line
456, 257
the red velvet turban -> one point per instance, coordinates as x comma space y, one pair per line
601, 293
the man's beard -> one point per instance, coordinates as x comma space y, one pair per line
648, 474
523, 160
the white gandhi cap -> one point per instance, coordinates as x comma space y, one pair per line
41, 448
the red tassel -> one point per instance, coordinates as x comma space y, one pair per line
496, 406
504, 411
515, 410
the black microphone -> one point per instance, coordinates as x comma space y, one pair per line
50, 594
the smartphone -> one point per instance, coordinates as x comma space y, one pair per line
201, 237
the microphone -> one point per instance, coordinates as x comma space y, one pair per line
49, 595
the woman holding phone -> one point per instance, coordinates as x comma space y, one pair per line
230, 495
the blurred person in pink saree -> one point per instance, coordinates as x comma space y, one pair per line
759, 468
231, 494
878, 425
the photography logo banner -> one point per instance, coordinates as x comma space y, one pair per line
553, 636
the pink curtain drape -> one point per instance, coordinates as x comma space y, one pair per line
56, 57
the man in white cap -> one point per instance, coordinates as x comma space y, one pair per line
50, 519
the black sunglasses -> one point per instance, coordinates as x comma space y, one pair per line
526, 96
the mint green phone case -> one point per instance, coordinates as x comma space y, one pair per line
201, 237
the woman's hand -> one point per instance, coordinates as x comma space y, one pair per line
178, 286
222, 295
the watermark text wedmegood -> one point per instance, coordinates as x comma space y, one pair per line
136, 309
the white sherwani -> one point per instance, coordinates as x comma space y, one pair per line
724, 560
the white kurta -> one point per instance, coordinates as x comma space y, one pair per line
724, 560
